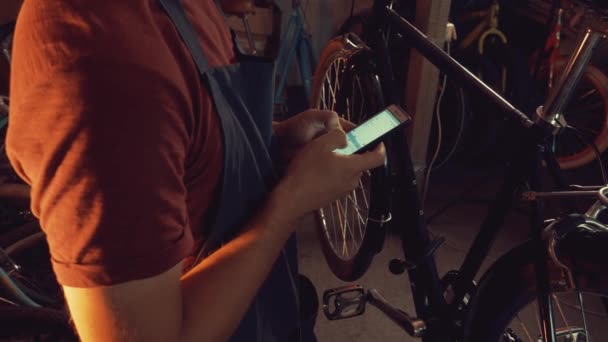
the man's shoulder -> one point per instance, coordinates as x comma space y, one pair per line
138, 31
67, 30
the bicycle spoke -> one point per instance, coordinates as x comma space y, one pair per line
333, 241
523, 326
336, 86
348, 219
344, 229
350, 224
343, 215
561, 312
362, 107
349, 113
536, 310
340, 219
361, 224
323, 104
577, 317
348, 92
580, 302
355, 204
364, 189
359, 218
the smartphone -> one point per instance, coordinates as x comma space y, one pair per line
372, 130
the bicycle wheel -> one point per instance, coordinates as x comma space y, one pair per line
351, 230
27, 262
35, 324
505, 309
587, 111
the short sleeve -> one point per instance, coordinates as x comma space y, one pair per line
102, 141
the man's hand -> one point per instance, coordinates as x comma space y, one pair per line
317, 175
297, 131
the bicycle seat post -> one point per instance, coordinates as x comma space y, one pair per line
550, 114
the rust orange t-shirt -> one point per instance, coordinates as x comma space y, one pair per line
114, 131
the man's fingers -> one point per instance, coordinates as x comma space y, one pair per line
346, 125
374, 158
332, 121
334, 139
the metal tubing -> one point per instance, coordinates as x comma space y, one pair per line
561, 194
7, 283
543, 280
521, 157
560, 95
424, 280
451, 67
286, 56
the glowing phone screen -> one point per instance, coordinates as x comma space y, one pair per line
369, 131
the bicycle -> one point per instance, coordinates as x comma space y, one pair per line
294, 44
486, 34
31, 301
588, 109
564, 254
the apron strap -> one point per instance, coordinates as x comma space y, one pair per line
177, 14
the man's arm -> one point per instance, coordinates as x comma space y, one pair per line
208, 303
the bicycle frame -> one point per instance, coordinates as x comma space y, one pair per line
526, 160
296, 41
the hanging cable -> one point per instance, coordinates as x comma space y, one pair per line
439, 132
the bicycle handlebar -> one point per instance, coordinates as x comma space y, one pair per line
559, 97
451, 67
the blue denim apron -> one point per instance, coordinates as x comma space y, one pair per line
242, 94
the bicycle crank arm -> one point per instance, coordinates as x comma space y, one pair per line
413, 326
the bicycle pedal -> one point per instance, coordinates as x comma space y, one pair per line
344, 302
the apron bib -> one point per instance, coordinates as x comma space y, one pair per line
243, 98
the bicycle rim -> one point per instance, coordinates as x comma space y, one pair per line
345, 220
504, 306
344, 225
578, 316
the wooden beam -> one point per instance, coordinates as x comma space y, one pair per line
422, 80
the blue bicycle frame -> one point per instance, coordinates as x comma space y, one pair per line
295, 41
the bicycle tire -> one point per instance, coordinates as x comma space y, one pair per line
356, 64
35, 324
26, 245
510, 285
570, 152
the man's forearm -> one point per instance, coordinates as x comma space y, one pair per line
205, 304
218, 291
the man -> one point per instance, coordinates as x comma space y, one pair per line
144, 151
